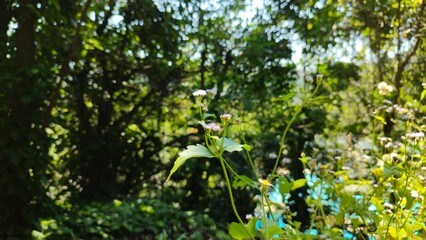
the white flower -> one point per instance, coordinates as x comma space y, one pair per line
199, 93
212, 126
388, 205
415, 135
249, 216
414, 194
309, 79
384, 88
226, 117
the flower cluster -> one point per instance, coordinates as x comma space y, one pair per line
212, 127
384, 88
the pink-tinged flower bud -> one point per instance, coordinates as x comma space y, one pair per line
213, 127
225, 118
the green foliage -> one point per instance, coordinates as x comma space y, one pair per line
94, 107
128, 219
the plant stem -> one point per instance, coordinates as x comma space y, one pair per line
228, 184
283, 138
250, 160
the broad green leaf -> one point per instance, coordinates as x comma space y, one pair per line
298, 184
229, 145
251, 226
274, 230
238, 231
284, 186
191, 152
241, 181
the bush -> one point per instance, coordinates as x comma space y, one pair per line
128, 219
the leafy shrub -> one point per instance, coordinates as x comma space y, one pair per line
128, 219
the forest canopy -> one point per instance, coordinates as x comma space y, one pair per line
313, 102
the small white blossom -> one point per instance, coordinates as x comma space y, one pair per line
414, 194
249, 216
387, 102
415, 135
212, 126
199, 93
384, 88
226, 117
388, 205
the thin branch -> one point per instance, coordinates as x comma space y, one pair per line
65, 68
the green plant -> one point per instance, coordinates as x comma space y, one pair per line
217, 144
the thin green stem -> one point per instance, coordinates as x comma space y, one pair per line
250, 159
316, 208
282, 146
228, 184
287, 128
230, 168
265, 218
269, 206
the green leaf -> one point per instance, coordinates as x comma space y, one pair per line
340, 218
229, 145
247, 147
298, 184
275, 229
95, 43
208, 115
285, 97
423, 95
251, 226
191, 152
381, 119
241, 181
238, 231
134, 128
284, 186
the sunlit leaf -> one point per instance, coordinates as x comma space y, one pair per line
298, 183
284, 186
238, 231
381, 119
229, 145
191, 152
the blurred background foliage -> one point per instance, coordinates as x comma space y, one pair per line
96, 102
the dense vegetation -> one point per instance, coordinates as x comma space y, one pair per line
322, 105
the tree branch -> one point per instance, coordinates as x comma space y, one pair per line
65, 68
